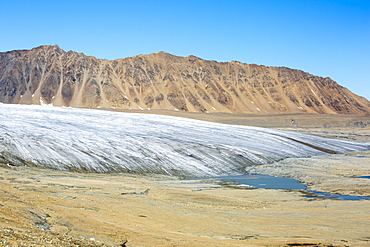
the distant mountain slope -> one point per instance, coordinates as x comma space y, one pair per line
49, 75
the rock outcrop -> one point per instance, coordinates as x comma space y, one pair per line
49, 75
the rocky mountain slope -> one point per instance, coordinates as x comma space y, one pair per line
49, 75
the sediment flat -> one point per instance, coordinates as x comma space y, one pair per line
54, 208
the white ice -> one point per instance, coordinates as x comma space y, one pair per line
105, 141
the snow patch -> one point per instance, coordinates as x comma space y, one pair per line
42, 103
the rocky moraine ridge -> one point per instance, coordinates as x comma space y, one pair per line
49, 75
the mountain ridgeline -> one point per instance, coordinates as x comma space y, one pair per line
49, 75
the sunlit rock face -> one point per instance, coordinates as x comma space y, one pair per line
103, 141
50, 75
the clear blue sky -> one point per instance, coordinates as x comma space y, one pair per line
329, 38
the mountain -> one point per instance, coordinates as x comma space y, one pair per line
49, 75
106, 141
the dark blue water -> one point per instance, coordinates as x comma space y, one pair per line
364, 177
272, 182
265, 181
317, 194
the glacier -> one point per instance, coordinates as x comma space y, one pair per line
87, 140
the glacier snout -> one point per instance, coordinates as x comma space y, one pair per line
103, 141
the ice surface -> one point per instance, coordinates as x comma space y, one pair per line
103, 141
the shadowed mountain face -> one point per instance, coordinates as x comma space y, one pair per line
49, 75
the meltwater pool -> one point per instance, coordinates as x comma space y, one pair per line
257, 181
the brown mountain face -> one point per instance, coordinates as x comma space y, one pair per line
49, 75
